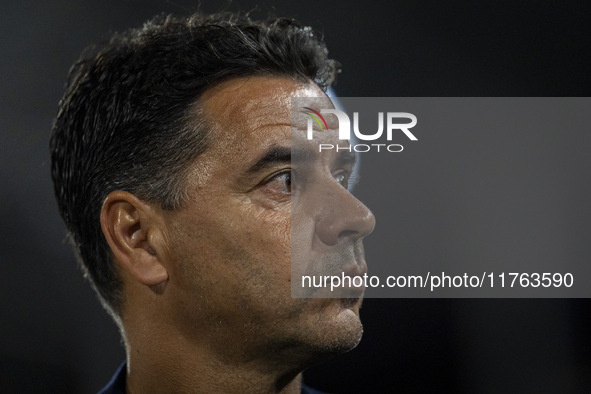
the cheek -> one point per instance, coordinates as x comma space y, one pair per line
234, 246
263, 238
302, 233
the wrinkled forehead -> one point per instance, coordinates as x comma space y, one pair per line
246, 105
309, 125
306, 109
247, 118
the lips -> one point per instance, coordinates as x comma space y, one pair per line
357, 271
358, 268
355, 287
339, 274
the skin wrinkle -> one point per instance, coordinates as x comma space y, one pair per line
196, 177
226, 309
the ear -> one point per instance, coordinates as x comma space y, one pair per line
132, 229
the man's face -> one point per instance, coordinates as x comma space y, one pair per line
229, 246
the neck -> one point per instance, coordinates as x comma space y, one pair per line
171, 363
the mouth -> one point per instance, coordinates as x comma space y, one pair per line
357, 268
357, 271
341, 275
352, 281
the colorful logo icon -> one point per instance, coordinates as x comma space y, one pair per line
315, 115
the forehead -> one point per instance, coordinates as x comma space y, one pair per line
246, 117
254, 108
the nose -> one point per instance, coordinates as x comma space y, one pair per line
342, 215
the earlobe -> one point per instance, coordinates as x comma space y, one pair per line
131, 228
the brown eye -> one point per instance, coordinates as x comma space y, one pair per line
342, 179
287, 182
280, 183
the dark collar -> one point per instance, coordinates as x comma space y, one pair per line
117, 384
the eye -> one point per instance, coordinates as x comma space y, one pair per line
286, 179
342, 179
280, 183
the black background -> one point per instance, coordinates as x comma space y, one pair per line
54, 337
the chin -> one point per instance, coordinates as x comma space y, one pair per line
339, 330
332, 329
351, 327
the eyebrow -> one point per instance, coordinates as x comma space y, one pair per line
346, 157
283, 154
278, 155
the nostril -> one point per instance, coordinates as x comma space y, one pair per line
347, 233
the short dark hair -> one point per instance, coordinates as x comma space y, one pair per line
127, 118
